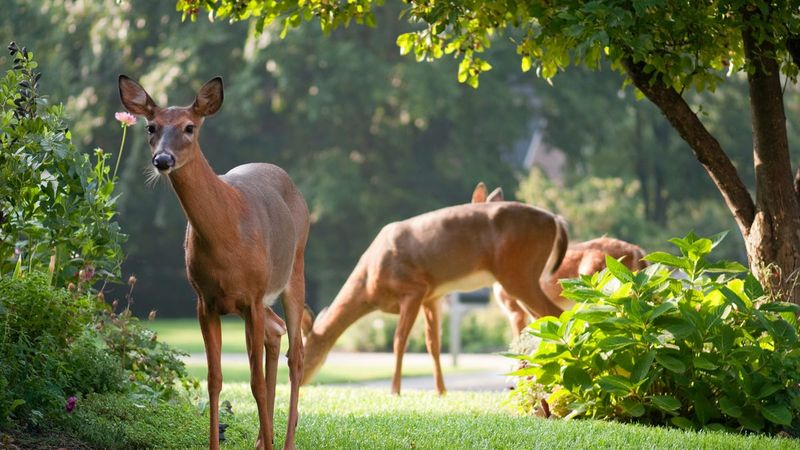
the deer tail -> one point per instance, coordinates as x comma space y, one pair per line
560, 244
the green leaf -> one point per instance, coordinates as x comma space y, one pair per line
752, 421
725, 267
526, 63
729, 407
667, 259
615, 384
660, 309
633, 407
752, 287
779, 414
615, 343
717, 238
619, 270
733, 297
779, 307
574, 376
683, 422
595, 313
702, 362
642, 366
671, 363
767, 389
666, 403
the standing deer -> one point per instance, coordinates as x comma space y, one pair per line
411, 264
581, 259
244, 246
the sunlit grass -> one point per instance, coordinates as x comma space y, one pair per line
345, 418
184, 334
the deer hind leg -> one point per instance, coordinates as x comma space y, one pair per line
409, 309
517, 316
275, 328
522, 283
433, 320
255, 331
294, 306
212, 340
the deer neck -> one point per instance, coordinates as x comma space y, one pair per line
208, 202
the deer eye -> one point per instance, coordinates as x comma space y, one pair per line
189, 129
151, 129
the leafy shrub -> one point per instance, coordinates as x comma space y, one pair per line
154, 370
56, 206
702, 350
114, 421
40, 334
55, 344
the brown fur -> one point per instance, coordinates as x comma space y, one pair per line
583, 258
244, 244
411, 264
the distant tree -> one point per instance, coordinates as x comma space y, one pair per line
664, 48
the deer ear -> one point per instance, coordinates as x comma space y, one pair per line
479, 194
209, 99
135, 99
495, 196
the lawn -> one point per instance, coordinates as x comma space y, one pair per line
342, 417
184, 334
328, 374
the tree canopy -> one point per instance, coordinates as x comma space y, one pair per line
665, 48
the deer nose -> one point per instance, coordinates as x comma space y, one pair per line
163, 161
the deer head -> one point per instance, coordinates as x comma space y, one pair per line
173, 132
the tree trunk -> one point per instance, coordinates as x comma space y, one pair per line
705, 147
773, 241
771, 225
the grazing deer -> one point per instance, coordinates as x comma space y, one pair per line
244, 246
581, 259
411, 264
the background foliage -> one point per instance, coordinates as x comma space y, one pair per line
369, 135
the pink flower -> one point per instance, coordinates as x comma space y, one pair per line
87, 273
125, 118
71, 404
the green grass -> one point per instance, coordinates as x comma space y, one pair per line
340, 417
184, 334
328, 374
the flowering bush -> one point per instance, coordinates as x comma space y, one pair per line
56, 206
705, 350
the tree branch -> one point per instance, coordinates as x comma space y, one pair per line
706, 148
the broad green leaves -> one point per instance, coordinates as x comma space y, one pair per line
57, 205
690, 50
693, 351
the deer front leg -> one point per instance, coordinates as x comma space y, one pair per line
255, 329
293, 306
433, 340
212, 340
409, 308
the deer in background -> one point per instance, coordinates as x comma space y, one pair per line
582, 258
411, 264
245, 242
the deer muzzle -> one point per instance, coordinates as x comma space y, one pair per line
163, 161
